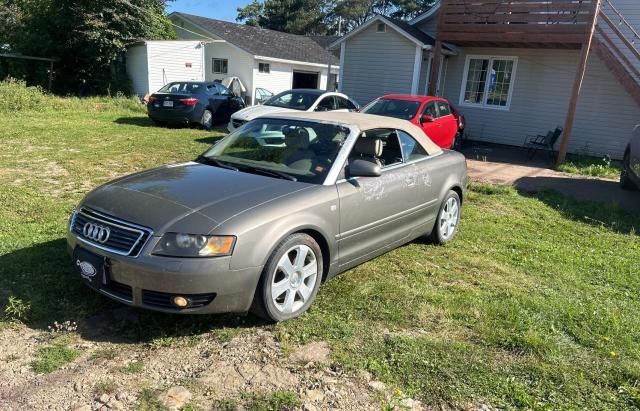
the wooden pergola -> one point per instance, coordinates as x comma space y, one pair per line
553, 24
22, 57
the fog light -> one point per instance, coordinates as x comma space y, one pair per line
180, 301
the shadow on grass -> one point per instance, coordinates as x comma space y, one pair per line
592, 201
42, 277
136, 121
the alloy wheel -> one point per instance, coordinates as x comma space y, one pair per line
449, 218
294, 279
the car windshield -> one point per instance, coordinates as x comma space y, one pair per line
293, 99
295, 150
180, 87
402, 109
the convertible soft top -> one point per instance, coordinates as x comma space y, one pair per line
365, 122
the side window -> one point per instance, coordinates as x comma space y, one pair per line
219, 66
326, 104
223, 90
411, 149
344, 104
212, 90
443, 108
430, 110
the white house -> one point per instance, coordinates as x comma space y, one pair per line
152, 64
260, 58
514, 68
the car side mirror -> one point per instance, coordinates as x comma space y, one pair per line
426, 119
364, 168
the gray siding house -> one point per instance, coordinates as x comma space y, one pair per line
514, 72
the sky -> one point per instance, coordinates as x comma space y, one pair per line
216, 9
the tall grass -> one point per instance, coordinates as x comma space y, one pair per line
17, 97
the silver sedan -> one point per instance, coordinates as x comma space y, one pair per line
253, 227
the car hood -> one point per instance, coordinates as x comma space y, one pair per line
188, 197
249, 113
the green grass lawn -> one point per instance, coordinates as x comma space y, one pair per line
535, 305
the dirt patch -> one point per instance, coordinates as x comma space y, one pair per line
212, 371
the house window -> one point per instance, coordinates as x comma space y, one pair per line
264, 67
220, 66
381, 28
488, 81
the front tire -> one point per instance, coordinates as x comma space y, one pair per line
625, 179
448, 219
290, 279
206, 121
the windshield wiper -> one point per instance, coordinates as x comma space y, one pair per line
272, 173
217, 163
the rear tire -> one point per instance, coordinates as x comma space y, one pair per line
206, 121
159, 123
446, 225
625, 179
290, 279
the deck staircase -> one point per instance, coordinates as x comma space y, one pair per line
617, 43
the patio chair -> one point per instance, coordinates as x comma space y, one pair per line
541, 142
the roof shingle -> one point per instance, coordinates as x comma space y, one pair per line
267, 43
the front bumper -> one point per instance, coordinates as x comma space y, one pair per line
149, 281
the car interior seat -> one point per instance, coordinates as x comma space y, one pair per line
391, 152
297, 153
367, 149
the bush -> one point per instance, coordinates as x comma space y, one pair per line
18, 97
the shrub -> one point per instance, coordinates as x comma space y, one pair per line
18, 97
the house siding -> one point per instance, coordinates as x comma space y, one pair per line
430, 25
540, 101
377, 64
167, 61
278, 80
137, 70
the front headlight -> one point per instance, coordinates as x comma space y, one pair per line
72, 220
193, 245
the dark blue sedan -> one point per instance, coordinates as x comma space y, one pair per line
187, 102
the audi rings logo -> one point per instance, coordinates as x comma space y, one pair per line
95, 232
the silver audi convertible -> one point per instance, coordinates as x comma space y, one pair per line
254, 227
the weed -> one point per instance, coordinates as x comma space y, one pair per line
49, 359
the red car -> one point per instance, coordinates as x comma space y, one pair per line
435, 115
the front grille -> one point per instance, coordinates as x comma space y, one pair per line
238, 123
124, 238
119, 290
163, 300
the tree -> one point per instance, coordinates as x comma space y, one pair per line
88, 37
325, 16
291, 16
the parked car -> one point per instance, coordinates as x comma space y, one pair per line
630, 174
193, 102
434, 115
292, 101
252, 226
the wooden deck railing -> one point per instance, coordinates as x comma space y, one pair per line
519, 21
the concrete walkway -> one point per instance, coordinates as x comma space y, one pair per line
510, 166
